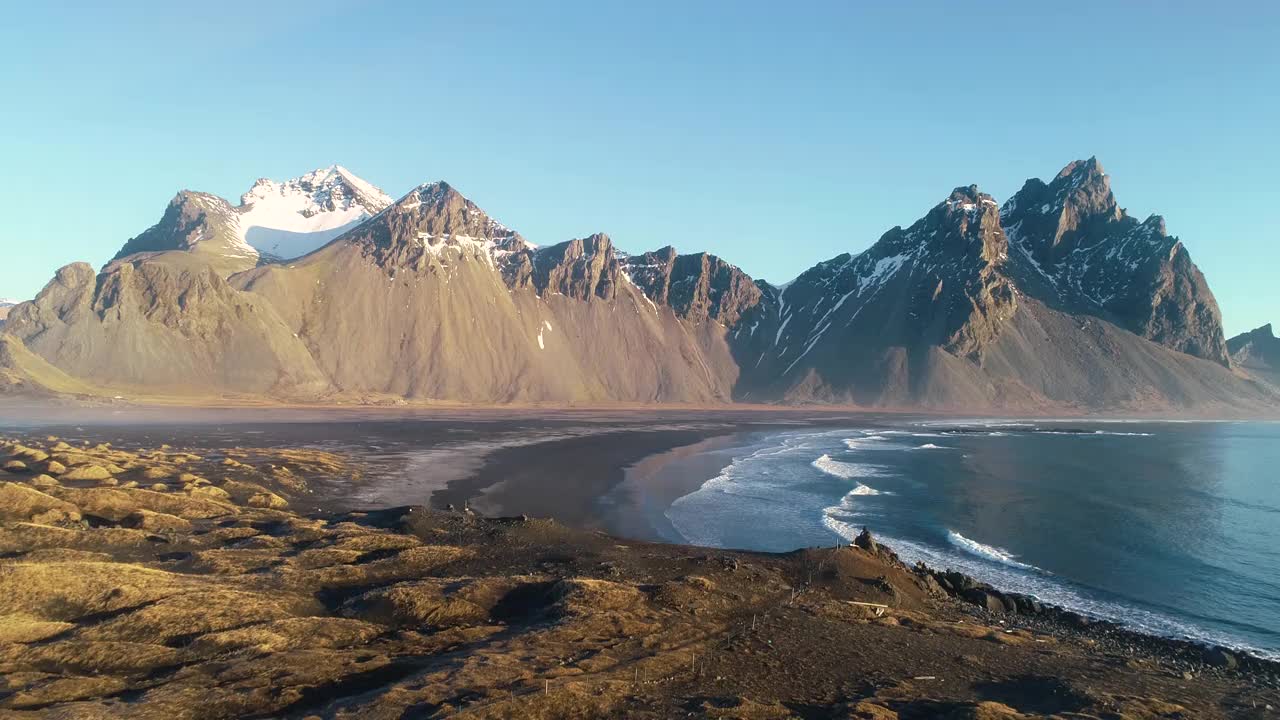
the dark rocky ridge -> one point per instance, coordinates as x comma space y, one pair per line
1076, 248
1258, 348
197, 223
699, 287
580, 269
1058, 299
1257, 352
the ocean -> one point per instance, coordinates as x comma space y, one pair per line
1171, 528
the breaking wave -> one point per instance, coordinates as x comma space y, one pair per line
988, 552
844, 470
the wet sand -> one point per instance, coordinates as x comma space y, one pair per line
637, 507
566, 480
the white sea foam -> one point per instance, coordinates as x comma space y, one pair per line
1047, 589
766, 489
871, 442
844, 470
989, 552
1124, 434
931, 446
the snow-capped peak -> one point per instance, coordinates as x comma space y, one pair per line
291, 218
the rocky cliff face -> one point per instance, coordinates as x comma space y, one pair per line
5, 307
699, 286
578, 269
1026, 305
1257, 352
1257, 348
853, 327
1075, 248
1057, 299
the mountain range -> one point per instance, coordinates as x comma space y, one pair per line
324, 288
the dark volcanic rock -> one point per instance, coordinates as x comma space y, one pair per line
698, 287
1075, 247
580, 269
412, 231
1258, 349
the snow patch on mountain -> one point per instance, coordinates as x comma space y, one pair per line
285, 220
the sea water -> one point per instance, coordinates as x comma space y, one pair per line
1171, 527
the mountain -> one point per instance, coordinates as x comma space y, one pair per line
274, 221
1076, 249
433, 299
1056, 300
1257, 352
165, 325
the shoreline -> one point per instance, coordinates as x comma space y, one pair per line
384, 612
637, 506
636, 496
514, 480
622, 480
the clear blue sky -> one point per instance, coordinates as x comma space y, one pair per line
774, 134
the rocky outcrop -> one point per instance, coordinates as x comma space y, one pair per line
579, 269
197, 223
1257, 353
1258, 349
698, 286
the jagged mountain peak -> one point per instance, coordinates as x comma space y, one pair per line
1075, 248
698, 286
1079, 195
1258, 352
1081, 171
437, 210
1264, 332
427, 221
331, 188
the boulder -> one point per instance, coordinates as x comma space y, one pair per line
985, 599
1220, 657
866, 542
